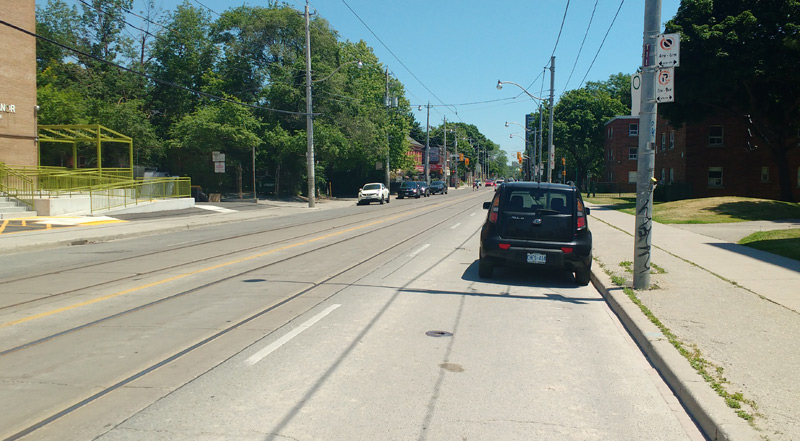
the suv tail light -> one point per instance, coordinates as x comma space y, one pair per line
581, 221
493, 210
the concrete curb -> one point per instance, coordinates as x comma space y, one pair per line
717, 421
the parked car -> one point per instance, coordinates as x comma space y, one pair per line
373, 192
438, 187
424, 189
536, 224
409, 189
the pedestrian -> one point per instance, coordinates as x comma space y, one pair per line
474, 185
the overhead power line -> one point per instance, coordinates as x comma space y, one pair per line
602, 43
393, 54
577, 57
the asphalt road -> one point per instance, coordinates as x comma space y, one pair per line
361, 323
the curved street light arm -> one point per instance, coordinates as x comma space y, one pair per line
514, 122
500, 87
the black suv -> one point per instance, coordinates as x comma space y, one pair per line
537, 224
409, 189
438, 187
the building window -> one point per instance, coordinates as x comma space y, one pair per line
671, 175
631, 177
610, 132
632, 152
715, 176
633, 129
663, 175
611, 155
764, 174
672, 140
663, 141
715, 136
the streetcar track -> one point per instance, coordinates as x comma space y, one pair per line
141, 373
188, 245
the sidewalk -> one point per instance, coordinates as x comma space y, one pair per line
737, 306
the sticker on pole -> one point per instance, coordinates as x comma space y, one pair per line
665, 85
668, 50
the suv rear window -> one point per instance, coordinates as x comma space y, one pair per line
537, 200
408, 184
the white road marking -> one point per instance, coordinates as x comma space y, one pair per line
421, 249
260, 355
455, 226
473, 214
215, 208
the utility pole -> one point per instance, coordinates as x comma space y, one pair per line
428, 146
309, 120
541, 133
388, 102
550, 147
443, 159
646, 153
456, 159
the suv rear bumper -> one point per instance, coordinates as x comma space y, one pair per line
580, 259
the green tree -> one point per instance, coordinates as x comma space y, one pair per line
618, 86
220, 126
182, 55
578, 129
741, 57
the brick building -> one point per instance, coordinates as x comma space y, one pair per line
18, 84
711, 158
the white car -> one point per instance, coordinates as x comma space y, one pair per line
375, 191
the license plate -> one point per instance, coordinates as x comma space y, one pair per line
536, 258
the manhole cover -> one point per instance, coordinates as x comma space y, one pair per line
438, 334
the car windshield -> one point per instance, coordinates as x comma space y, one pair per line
530, 200
372, 187
437, 183
408, 184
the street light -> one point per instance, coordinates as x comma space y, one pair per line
550, 147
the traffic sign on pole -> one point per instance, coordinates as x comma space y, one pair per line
668, 50
665, 85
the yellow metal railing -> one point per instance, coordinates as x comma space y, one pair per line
105, 188
16, 185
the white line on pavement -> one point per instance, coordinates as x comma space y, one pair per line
215, 208
455, 226
260, 355
421, 249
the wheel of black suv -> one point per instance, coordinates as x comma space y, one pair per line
582, 277
485, 269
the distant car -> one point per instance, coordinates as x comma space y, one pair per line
438, 187
424, 189
489, 183
498, 183
373, 192
409, 189
533, 224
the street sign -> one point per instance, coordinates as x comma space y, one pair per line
665, 85
219, 167
668, 50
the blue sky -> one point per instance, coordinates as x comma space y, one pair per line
452, 52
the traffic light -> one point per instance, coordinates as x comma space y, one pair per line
466, 161
519, 157
460, 156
